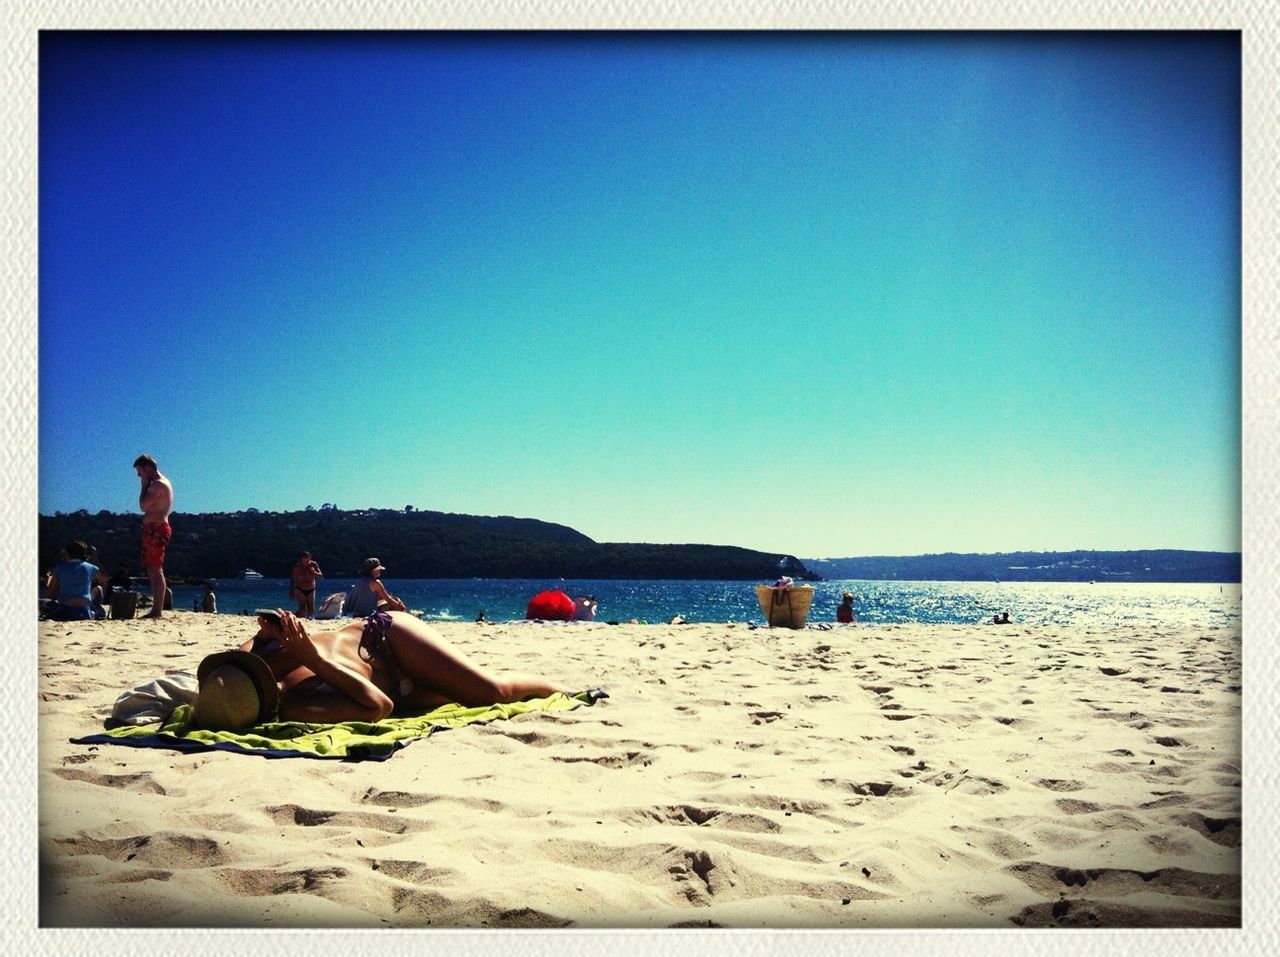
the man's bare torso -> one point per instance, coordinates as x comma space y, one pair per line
303, 575
156, 500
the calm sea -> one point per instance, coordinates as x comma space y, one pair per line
721, 601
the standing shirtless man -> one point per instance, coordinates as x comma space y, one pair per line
156, 502
304, 577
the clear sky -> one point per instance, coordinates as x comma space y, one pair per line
825, 294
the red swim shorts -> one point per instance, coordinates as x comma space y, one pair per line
155, 538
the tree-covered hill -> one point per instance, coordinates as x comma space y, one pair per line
411, 543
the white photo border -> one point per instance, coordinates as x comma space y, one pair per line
1260, 454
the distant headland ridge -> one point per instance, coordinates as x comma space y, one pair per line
1143, 565
416, 543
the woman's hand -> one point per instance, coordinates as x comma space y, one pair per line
295, 636
367, 701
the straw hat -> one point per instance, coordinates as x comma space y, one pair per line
237, 689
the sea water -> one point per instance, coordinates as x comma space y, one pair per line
877, 602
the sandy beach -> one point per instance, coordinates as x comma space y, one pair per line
864, 776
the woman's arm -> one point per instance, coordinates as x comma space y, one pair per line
363, 692
387, 601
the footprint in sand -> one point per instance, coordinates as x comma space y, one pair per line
697, 876
398, 799
137, 876
414, 906
141, 781
1061, 784
268, 881
614, 761
1073, 806
1114, 882
167, 850
388, 823
867, 789
540, 739
1094, 913
689, 815
1224, 831
412, 872
1168, 799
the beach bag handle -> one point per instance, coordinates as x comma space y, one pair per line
774, 602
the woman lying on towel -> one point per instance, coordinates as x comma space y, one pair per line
361, 672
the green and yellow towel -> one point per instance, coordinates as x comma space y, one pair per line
348, 740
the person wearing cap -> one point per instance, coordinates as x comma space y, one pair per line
361, 672
368, 594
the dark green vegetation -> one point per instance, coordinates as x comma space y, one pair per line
411, 543
1157, 565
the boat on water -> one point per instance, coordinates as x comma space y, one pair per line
249, 574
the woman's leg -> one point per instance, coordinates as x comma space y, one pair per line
433, 665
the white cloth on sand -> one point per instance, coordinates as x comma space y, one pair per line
153, 701
332, 606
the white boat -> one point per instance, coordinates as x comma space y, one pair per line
250, 575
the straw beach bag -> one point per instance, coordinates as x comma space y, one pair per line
786, 606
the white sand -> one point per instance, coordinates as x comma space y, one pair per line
871, 776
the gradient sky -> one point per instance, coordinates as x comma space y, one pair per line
825, 294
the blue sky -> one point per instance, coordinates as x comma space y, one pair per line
826, 294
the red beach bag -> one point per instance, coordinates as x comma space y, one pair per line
551, 606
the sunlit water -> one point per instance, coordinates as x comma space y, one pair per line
720, 601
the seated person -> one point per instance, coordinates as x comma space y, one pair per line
119, 580
361, 672
584, 608
844, 611
74, 586
369, 595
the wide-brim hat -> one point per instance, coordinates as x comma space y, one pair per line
259, 673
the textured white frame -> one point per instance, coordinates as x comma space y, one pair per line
1260, 343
